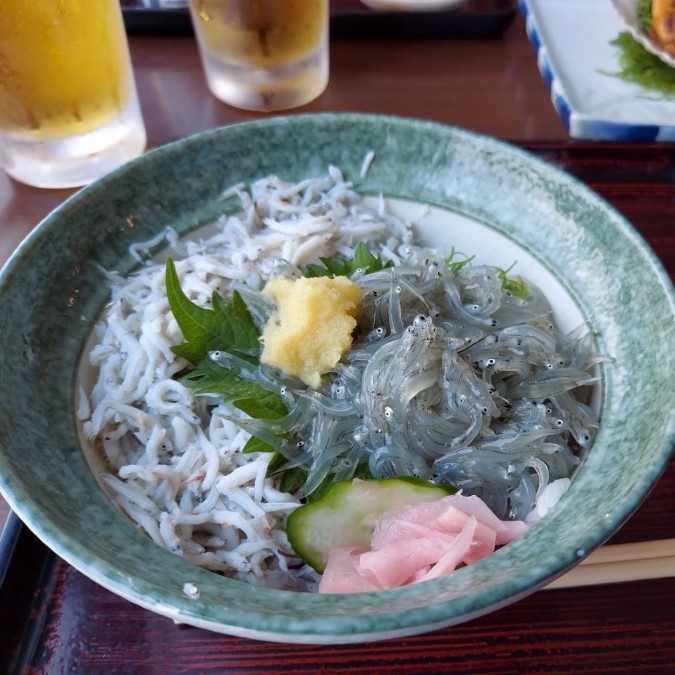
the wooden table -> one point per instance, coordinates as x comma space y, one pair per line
489, 86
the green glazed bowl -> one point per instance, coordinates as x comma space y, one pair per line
495, 197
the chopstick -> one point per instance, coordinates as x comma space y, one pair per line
622, 562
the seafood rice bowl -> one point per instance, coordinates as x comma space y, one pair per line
352, 380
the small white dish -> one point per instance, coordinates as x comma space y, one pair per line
628, 13
411, 5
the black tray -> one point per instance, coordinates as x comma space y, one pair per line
351, 20
26, 574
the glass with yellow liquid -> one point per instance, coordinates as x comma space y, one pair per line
69, 111
263, 54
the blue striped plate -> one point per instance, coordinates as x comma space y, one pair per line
573, 43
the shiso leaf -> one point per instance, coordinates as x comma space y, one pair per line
256, 445
227, 327
213, 379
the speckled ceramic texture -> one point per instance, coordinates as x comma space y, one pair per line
52, 289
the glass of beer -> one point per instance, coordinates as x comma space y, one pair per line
69, 110
263, 55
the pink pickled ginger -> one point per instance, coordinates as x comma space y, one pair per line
416, 543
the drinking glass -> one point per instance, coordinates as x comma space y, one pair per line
263, 55
69, 110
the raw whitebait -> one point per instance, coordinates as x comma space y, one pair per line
477, 391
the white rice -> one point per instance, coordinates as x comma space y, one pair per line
176, 466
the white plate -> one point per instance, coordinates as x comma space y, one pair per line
575, 56
411, 5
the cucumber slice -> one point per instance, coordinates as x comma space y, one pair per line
346, 514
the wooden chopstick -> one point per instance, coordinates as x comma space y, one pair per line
622, 562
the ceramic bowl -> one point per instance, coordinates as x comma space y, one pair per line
495, 199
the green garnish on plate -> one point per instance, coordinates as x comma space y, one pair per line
645, 15
641, 67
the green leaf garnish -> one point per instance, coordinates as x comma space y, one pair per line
514, 285
342, 267
256, 445
638, 66
228, 326
455, 265
247, 395
262, 404
290, 480
644, 12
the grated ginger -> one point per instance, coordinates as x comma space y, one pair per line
312, 327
